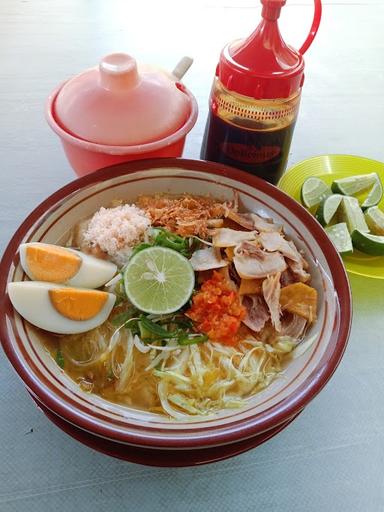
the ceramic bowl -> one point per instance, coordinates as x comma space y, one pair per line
162, 457
303, 378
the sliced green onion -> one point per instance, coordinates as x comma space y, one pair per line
191, 339
165, 238
125, 316
150, 330
60, 358
139, 248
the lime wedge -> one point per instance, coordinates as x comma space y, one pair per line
158, 280
327, 209
351, 213
354, 184
339, 235
313, 191
367, 243
374, 217
374, 196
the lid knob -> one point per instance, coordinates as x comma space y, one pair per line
271, 9
118, 71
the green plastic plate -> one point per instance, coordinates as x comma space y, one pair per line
329, 168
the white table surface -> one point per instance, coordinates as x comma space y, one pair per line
332, 457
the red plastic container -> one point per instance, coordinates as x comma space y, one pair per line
117, 113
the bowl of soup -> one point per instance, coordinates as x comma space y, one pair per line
173, 304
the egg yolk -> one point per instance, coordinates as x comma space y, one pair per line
77, 304
54, 264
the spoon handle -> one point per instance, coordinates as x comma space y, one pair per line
182, 67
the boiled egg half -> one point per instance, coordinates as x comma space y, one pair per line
55, 264
60, 309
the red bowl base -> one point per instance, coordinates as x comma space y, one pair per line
162, 458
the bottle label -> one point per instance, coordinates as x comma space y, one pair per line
249, 154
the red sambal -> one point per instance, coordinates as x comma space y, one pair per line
217, 310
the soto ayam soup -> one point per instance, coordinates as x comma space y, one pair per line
177, 305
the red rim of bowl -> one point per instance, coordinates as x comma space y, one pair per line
121, 150
280, 412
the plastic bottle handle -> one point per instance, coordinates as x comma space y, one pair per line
314, 27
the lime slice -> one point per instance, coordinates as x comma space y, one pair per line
313, 191
367, 243
327, 209
374, 196
374, 217
339, 235
158, 280
351, 213
354, 184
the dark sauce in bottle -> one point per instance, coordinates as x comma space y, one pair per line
263, 153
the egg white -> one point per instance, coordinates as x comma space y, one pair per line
93, 272
31, 300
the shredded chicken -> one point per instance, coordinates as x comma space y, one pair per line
207, 259
296, 262
287, 278
298, 270
185, 215
257, 312
293, 325
242, 219
253, 221
226, 237
271, 293
263, 224
275, 242
253, 263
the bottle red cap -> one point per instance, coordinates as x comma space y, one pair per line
263, 66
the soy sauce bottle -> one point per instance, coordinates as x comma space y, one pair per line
255, 98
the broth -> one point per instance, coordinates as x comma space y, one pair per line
198, 371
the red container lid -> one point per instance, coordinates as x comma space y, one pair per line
121, 104
263, 66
